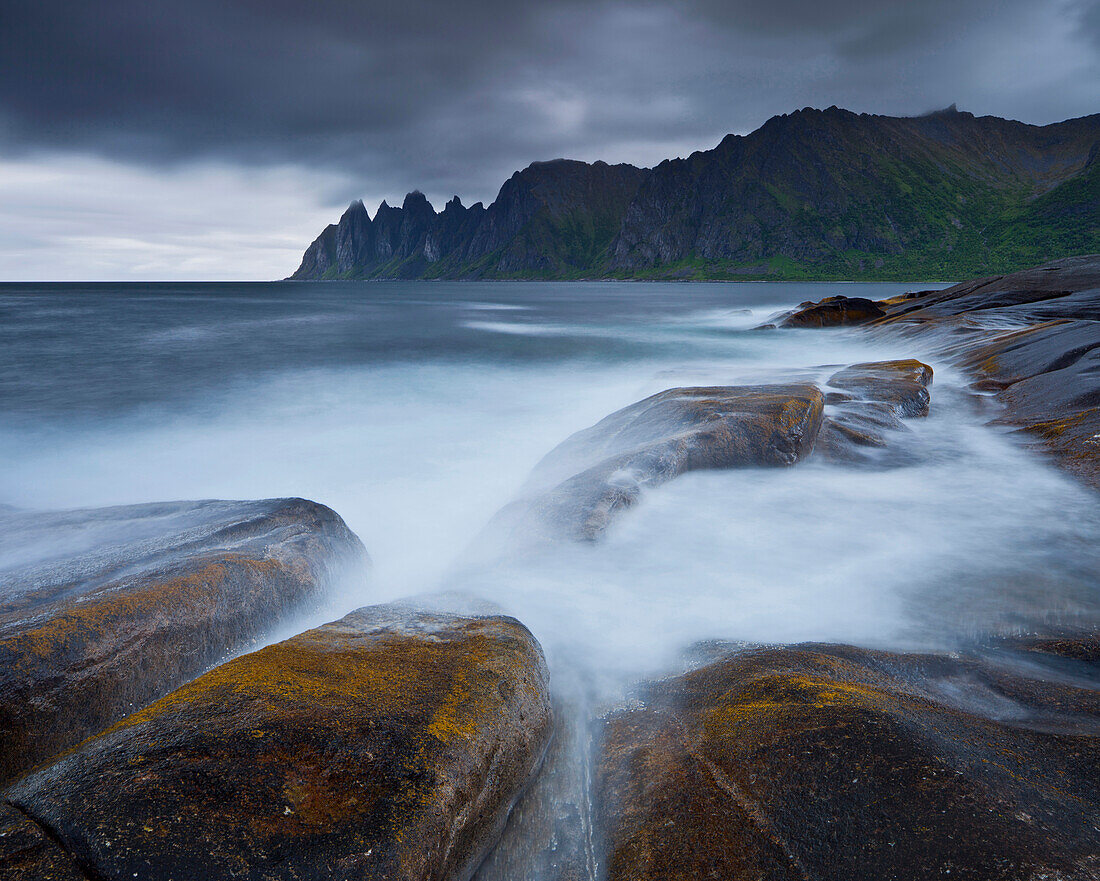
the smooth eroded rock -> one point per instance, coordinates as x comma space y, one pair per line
1047, 376
1032, 338
575, 491
104, 609
825, 762
390, 744
834, 312
902, 385
1066, 288
862, 423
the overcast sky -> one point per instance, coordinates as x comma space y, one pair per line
200, 139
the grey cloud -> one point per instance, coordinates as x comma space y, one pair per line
451, 96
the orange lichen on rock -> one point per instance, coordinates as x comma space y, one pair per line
388, 744
835, 311
829, 761
84, 646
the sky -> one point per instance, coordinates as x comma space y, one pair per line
214, 139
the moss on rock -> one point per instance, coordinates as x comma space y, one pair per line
95, 634
389, 744
834, 762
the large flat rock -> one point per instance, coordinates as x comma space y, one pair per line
825, 762
103, 610
1033, 339
576, 490
1067, 288
390, 744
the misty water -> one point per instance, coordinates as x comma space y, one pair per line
416, 410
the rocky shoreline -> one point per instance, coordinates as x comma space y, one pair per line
406, 742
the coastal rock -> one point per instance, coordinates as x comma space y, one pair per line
104, 610
902, 385
28, 852
824, 762
835, 312
1066, 288
858, 432
862, 422
1046, 376
390, 744
576, 490
1032, 338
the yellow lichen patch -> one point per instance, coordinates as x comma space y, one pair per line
1054, 428
463, 709
769, 697
321, 672
98, 614
95, 617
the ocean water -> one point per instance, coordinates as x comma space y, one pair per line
416, 410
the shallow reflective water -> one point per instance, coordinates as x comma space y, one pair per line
416, 410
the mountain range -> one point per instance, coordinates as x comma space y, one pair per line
814, 194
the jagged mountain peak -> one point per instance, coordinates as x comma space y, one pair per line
813, 193
416, 200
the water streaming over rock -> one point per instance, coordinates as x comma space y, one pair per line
418, 410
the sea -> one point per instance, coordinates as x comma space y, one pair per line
416, 410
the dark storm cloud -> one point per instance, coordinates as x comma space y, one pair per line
451, 96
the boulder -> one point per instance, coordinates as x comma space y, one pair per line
858, 432
902, 385
104, 610
824, 762
390, 744
834, 312
576, 490
862, 423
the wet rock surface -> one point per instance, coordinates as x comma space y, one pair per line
1033, 339
862, 421
834, 312
388, 744
103, 610
902, 385
576, 490
822, 762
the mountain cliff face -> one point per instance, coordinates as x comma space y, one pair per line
813, 194
553, 219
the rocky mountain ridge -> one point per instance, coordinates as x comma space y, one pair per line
811, 194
